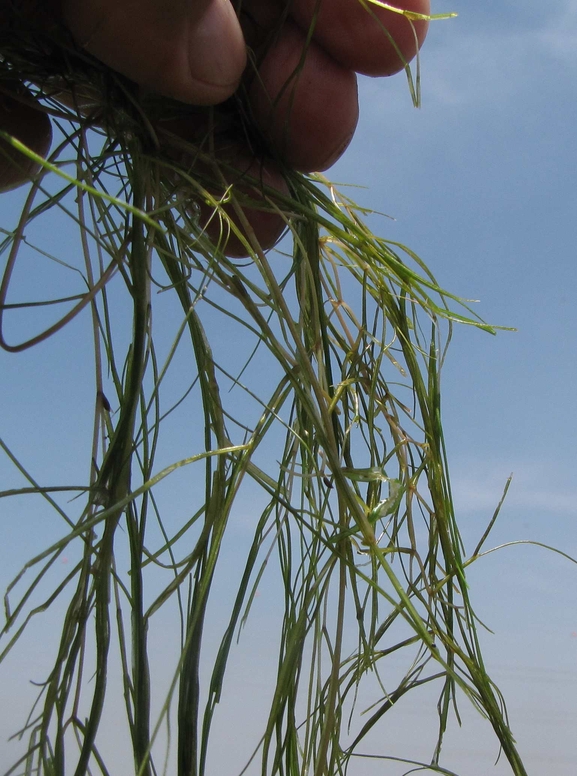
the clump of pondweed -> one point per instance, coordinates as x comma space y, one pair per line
342, 438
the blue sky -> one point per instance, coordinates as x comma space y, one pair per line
481, 182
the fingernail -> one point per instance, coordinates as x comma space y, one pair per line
217, 53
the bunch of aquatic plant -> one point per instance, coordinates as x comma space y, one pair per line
313, 392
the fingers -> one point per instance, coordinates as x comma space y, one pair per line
303, 98
191, 50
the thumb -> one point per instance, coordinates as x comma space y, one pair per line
191, 50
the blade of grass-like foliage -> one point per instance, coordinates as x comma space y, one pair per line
333, 418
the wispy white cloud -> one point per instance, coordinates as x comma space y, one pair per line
534, 489
489, 65
559, 37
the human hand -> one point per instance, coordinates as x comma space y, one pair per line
304, 96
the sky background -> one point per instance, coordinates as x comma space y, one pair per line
481, 182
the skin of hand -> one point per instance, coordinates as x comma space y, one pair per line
303, 97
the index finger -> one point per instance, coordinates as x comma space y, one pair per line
362, 35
